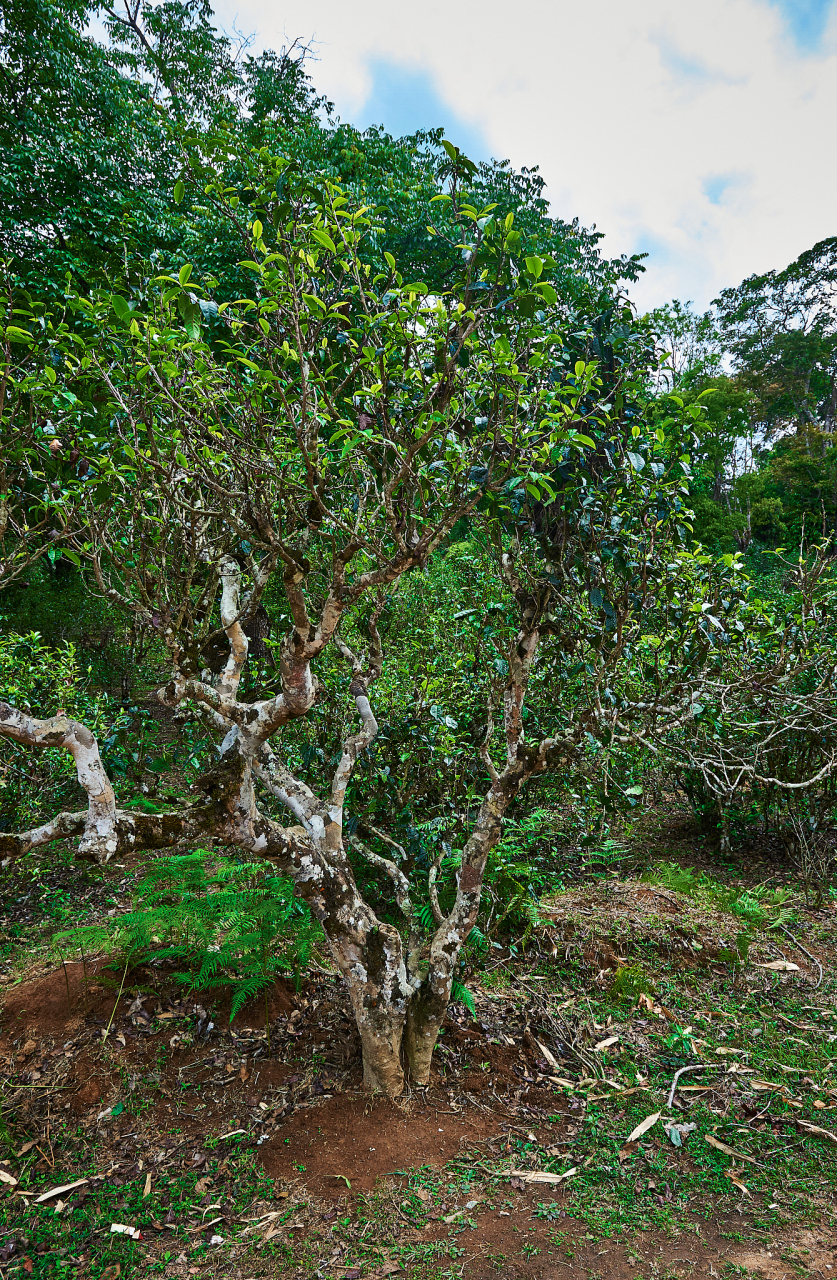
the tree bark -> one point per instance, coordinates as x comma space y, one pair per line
399, 987
99, 837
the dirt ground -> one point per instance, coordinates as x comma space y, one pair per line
122, 1080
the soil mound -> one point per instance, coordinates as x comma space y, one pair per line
355, 1139
58, 1001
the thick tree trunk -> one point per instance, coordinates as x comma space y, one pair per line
420, 1036
380, 1038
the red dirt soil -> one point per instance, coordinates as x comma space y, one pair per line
364, 1139
41, 1007
318, 1129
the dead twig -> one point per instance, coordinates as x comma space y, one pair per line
696, 1066
800, 947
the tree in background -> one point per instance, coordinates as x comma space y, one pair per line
764, 361
780, 329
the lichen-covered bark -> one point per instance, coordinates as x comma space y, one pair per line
99, 837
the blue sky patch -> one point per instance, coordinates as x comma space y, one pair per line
806, 19
404, 100
718, 186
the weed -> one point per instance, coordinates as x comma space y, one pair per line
629, 982
755, 905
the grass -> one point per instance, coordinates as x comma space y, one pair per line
63, 1238
668, 1007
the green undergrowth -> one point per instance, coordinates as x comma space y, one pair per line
217, 921
758, 905
71, 1237
766, 1042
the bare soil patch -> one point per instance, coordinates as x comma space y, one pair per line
177, 1090
360, 1139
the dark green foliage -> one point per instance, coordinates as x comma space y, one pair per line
223, 923
781, 329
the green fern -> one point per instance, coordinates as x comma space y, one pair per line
222, 923
462, 995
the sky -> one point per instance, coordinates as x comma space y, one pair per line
701, 132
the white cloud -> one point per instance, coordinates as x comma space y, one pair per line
698, 131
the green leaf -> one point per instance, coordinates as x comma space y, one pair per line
120, 306
179, 192
17, 335
323, 239
460, 993
258, 230
534, 266
636, 460
184, 274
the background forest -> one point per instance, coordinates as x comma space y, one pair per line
596, 595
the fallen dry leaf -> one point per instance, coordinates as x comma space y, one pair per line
780, 966
57, 1191
605, 1044
8, 1178
736, 1182
644, 1126
728, 1151
815, 1128
202, 1226
27, 1146
548, 1055
29, 1047
146, 1191
541, 1175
